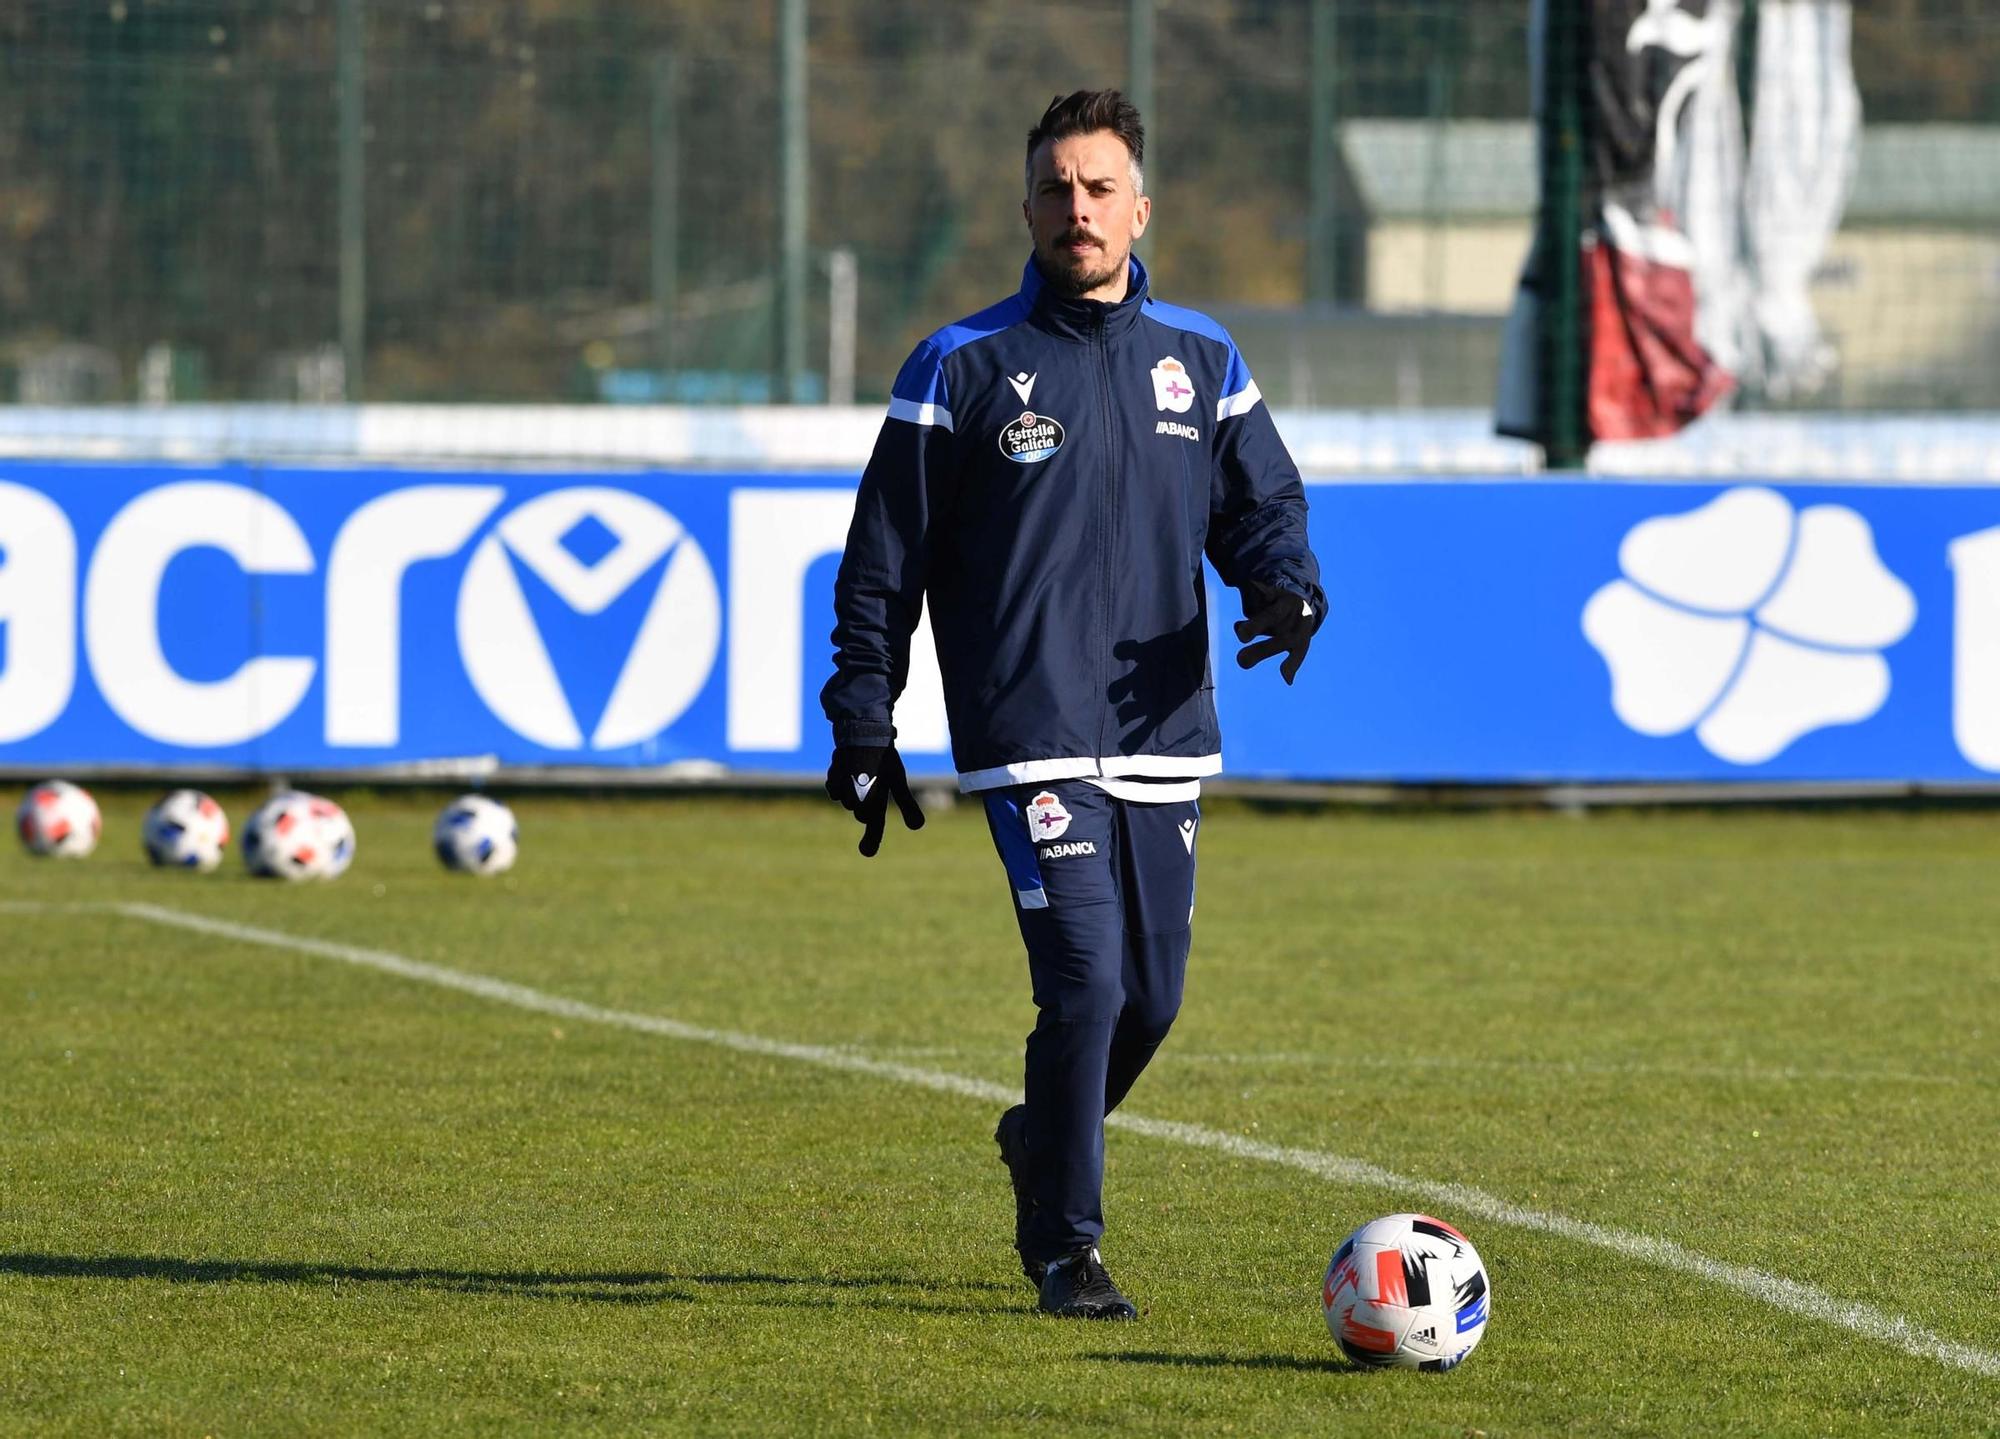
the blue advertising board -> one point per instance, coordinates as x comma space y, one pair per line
265, 618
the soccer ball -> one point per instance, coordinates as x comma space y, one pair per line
1406, 1292
186, 829
299, 836
476, 835
59, 819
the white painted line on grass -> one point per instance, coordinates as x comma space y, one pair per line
1805, 1300
521, 997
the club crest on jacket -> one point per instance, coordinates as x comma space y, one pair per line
1172, 390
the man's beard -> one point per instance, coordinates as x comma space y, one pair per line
1073, 276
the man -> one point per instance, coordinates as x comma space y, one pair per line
1050, 474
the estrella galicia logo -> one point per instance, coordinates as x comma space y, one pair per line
589, 547
1749, 623
1031, 438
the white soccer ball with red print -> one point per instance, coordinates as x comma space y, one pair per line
186, 830
1406, 1292
59, 820
299, 836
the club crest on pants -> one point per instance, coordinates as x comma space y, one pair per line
1047, 819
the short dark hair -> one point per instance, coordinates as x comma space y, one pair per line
1084, 112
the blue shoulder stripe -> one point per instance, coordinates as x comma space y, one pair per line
1236, 381
989, 321
920, 394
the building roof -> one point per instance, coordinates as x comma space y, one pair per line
1469, 170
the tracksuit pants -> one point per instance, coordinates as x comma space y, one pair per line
1104, 892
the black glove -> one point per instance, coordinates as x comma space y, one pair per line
1286, 621
861, 780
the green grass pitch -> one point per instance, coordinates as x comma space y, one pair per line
253, 1190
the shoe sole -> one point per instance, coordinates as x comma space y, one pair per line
1124, 1314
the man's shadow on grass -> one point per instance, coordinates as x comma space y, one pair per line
925, 1294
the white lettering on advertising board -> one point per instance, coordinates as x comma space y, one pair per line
776, 537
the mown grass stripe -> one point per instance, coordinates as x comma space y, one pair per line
1745, 1073
1790, 1295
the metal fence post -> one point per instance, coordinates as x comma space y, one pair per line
843, 324
1139, 77
791, 201
665, 235
1323, 151
350, 78
1563, 220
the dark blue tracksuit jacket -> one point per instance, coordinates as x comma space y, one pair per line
1050, 475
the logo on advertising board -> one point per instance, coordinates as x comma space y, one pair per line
1749, 623
275, 617
190, 664
589, 546
1031, 439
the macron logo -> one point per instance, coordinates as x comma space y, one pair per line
1749, 623
1024, 384
862, 784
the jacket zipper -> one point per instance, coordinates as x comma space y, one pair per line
1108, 517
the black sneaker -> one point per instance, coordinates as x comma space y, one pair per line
1011, 1134
1076, 1287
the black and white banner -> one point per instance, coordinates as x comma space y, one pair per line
1695, 247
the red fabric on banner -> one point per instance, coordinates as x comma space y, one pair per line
1649, 376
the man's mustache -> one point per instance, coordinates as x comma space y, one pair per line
1070, 237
